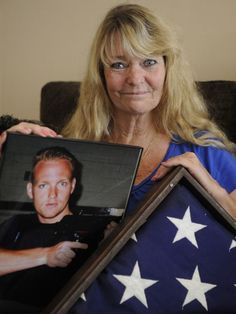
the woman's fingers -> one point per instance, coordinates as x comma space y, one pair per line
31, 128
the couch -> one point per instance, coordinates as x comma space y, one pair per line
59, 101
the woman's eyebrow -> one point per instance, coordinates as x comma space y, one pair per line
117, 57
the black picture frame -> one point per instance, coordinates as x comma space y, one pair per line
78, 284
108, 172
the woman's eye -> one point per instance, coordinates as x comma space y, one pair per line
118, 65
149, 62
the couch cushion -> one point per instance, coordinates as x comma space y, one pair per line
221, 100
58, 103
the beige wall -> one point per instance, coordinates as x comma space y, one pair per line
48, 40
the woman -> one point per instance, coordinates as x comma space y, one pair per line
138, 90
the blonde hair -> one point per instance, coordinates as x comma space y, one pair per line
181, 110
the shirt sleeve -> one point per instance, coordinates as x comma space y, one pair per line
221, 164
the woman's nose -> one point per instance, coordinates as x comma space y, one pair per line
135, 74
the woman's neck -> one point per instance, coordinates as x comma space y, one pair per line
133, 131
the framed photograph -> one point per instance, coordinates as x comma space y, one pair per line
206, 251
57, 191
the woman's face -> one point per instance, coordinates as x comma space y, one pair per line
134, 84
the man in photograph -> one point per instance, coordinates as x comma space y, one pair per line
39, 252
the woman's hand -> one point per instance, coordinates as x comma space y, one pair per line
28, 128
31, 128
190, 161
109, 228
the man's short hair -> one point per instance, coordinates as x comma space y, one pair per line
55, 153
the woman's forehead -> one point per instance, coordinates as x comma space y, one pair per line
115, 47
118, 46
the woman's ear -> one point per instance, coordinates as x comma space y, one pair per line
29, 190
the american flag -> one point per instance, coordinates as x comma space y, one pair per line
182, 260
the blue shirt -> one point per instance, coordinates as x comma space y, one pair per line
219, 163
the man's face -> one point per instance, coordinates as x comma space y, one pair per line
51, 190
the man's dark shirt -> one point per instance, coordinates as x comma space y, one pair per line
37, 286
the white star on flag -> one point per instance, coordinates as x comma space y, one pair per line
135, 285
133, 237
196, 289
233, 245
83, 297
186, 228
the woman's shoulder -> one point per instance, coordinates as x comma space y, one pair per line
202, 151
211, 144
